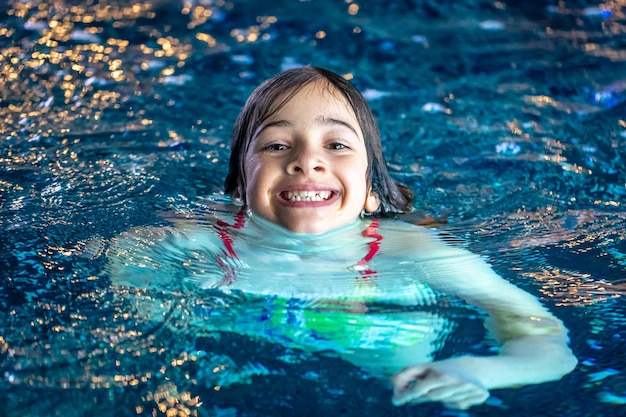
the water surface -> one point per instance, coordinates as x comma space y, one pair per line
506, 118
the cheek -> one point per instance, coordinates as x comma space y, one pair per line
249, 169
247, 182
255, 179
360, 176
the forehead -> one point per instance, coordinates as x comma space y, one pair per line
314, 100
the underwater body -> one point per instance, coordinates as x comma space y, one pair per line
343, 291
506, 119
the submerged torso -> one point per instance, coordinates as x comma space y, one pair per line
365, 287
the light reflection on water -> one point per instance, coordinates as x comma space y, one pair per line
112, 113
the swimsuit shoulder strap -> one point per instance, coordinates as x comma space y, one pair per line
374, 248
224, 231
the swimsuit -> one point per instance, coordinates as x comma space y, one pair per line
302, 291
342, 326
225, 232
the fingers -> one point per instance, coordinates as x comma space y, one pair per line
459, 396
408, 376
414, 383
420, 384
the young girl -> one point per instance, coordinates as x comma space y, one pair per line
312, 243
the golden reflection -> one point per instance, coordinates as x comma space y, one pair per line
71, 61
199, 14
205, 37
7, 32
169, 401
539, 100
255, 32
514, 127
562, 229
571, 288
612, 54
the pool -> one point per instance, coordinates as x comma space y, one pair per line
508, 120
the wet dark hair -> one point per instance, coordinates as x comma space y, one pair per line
274, 93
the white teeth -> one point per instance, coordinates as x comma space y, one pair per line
307, 195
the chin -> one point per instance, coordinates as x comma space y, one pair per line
309, 228
314, 224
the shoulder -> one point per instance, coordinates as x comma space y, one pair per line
403, 238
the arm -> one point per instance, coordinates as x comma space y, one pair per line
147, 257
533, 343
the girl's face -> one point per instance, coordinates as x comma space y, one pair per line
306, 165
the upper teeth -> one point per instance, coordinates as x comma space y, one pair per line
308, 195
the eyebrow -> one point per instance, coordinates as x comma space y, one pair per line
319, 120
329, 121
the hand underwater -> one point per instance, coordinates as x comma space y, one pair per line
435, 382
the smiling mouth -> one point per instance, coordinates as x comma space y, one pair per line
306, 195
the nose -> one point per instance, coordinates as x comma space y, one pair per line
306, 161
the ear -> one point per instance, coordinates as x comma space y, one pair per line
372, 202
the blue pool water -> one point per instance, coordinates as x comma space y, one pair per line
507, 119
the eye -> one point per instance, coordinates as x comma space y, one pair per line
337, 146
274, 147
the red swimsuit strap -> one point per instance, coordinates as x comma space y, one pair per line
374, 245
372, 231
225, 233
224, 230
